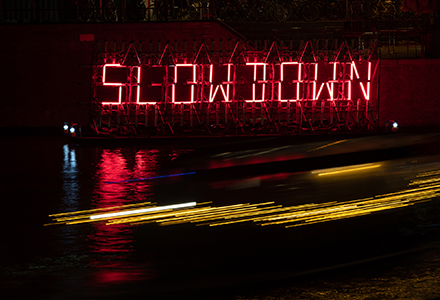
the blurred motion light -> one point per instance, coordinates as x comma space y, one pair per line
345, 169
262, 214
142, 210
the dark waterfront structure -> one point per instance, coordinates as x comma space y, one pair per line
238, 149
236, 69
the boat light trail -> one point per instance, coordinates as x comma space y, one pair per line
327, 145
261, 214
142, 210
149, 178
339, 170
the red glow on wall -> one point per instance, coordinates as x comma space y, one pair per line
286, 81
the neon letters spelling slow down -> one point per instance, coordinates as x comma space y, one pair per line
293, 81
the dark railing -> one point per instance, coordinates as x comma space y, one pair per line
399, 33
41, 11
24, 11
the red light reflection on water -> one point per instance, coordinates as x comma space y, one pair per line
252, 160
112, 167
249, 182
111, 246
118, 273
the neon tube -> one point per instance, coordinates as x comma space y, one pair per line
308, 87
119, 101
228, 82
255, 81
366, 89
193, 82
296, 82
104, 73
315, 80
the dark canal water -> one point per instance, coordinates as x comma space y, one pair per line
328, 250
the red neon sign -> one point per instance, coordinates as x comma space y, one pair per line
261, 83
150, 85
303, 85
222, 85
137, 85
367, 88
113, 84
192, 81
294, 81
287, 83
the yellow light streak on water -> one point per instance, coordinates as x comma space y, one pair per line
430, 173
327, 145
339, 170
262, 214
101, 209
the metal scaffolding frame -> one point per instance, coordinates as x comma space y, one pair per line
233, 115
